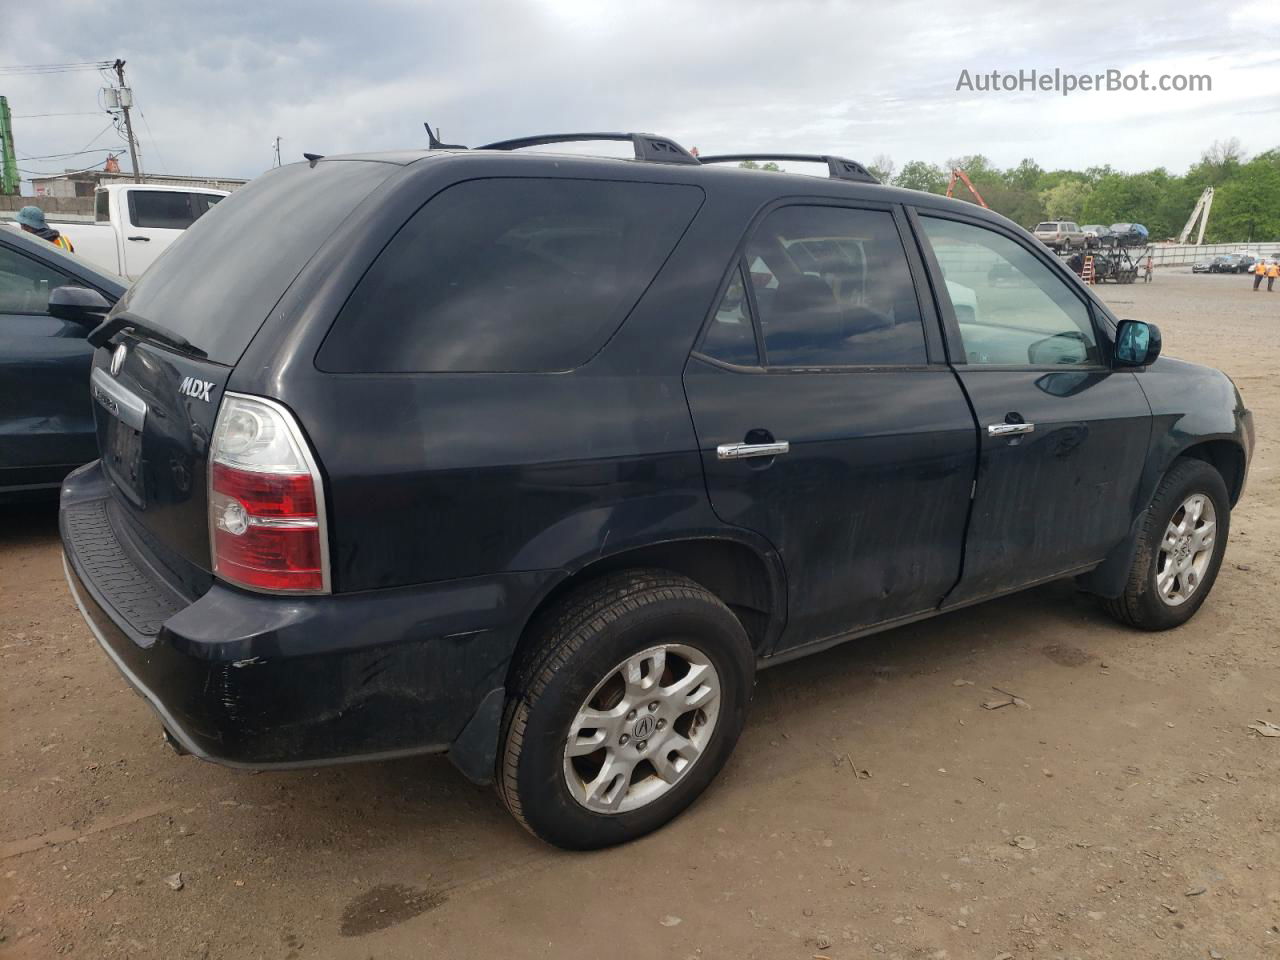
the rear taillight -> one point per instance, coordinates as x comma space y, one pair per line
266, 502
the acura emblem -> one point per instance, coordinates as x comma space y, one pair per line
117, 359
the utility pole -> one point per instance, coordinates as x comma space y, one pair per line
126, 101
277, 163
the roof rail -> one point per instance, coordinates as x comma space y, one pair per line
648, 146
838, 168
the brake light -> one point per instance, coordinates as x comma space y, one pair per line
266, 510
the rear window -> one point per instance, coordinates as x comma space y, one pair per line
218, 281
509, 275
162, 209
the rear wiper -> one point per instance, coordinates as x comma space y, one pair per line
153, 331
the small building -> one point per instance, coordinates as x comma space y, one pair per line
84, 183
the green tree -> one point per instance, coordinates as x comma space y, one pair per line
976, 165
918, 175
1025, 176
752, 165
1020, 206
1066, 201
881, 167
1248, 205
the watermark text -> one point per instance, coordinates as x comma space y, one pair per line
1066, 83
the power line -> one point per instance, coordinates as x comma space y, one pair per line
59, 156
56, 173
154, 145
43, 68
34, 116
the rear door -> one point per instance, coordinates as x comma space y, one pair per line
1063, 435
46, 425
828, 422
155, 219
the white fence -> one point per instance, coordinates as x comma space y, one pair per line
1185, 254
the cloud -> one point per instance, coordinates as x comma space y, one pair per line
216, 84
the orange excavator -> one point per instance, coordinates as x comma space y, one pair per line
958, 174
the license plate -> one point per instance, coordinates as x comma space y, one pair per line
123, 455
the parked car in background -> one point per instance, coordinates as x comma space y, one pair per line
48, 302
1130, 234
1097, 235
135, 223
536, 458
1213, 265
1246, 263
1061, 235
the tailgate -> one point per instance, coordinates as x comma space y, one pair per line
154, 411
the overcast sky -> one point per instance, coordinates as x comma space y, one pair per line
216, 83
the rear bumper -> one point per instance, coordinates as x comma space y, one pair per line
251, 680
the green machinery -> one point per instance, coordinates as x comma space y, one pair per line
8, 159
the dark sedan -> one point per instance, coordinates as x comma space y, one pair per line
49, 301
1098, 235
1130, 234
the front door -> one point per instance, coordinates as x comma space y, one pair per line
828, 422
46, 418
1063, 435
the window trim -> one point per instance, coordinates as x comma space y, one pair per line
946, 310
67, 278
930, 319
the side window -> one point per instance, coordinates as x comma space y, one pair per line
509, 276
731, 336
101, 207
833, 288
25, 284
161, 209
1012, 309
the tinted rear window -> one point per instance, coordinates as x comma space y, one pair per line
162, 209
218, 281
509, 275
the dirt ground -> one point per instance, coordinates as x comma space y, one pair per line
1126, 811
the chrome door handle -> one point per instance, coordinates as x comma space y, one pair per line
1010, 429
743, 451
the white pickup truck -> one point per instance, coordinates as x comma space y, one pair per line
135, 222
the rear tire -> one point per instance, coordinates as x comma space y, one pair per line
1174, 568
594, 750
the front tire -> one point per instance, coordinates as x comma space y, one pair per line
1180, 546
629, 700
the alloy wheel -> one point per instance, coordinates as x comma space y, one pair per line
642, 728
1186, 550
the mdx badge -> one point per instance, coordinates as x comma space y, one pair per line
117, 359
198, 389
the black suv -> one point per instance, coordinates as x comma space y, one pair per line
536, 459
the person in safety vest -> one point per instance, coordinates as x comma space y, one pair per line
1273, 271
1259, 271
32, 220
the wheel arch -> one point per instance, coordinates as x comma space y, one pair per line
1225, 456
745, 576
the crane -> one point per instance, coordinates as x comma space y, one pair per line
1202, 212
958, 174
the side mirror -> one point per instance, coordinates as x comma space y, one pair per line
1137, 343
79, 305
